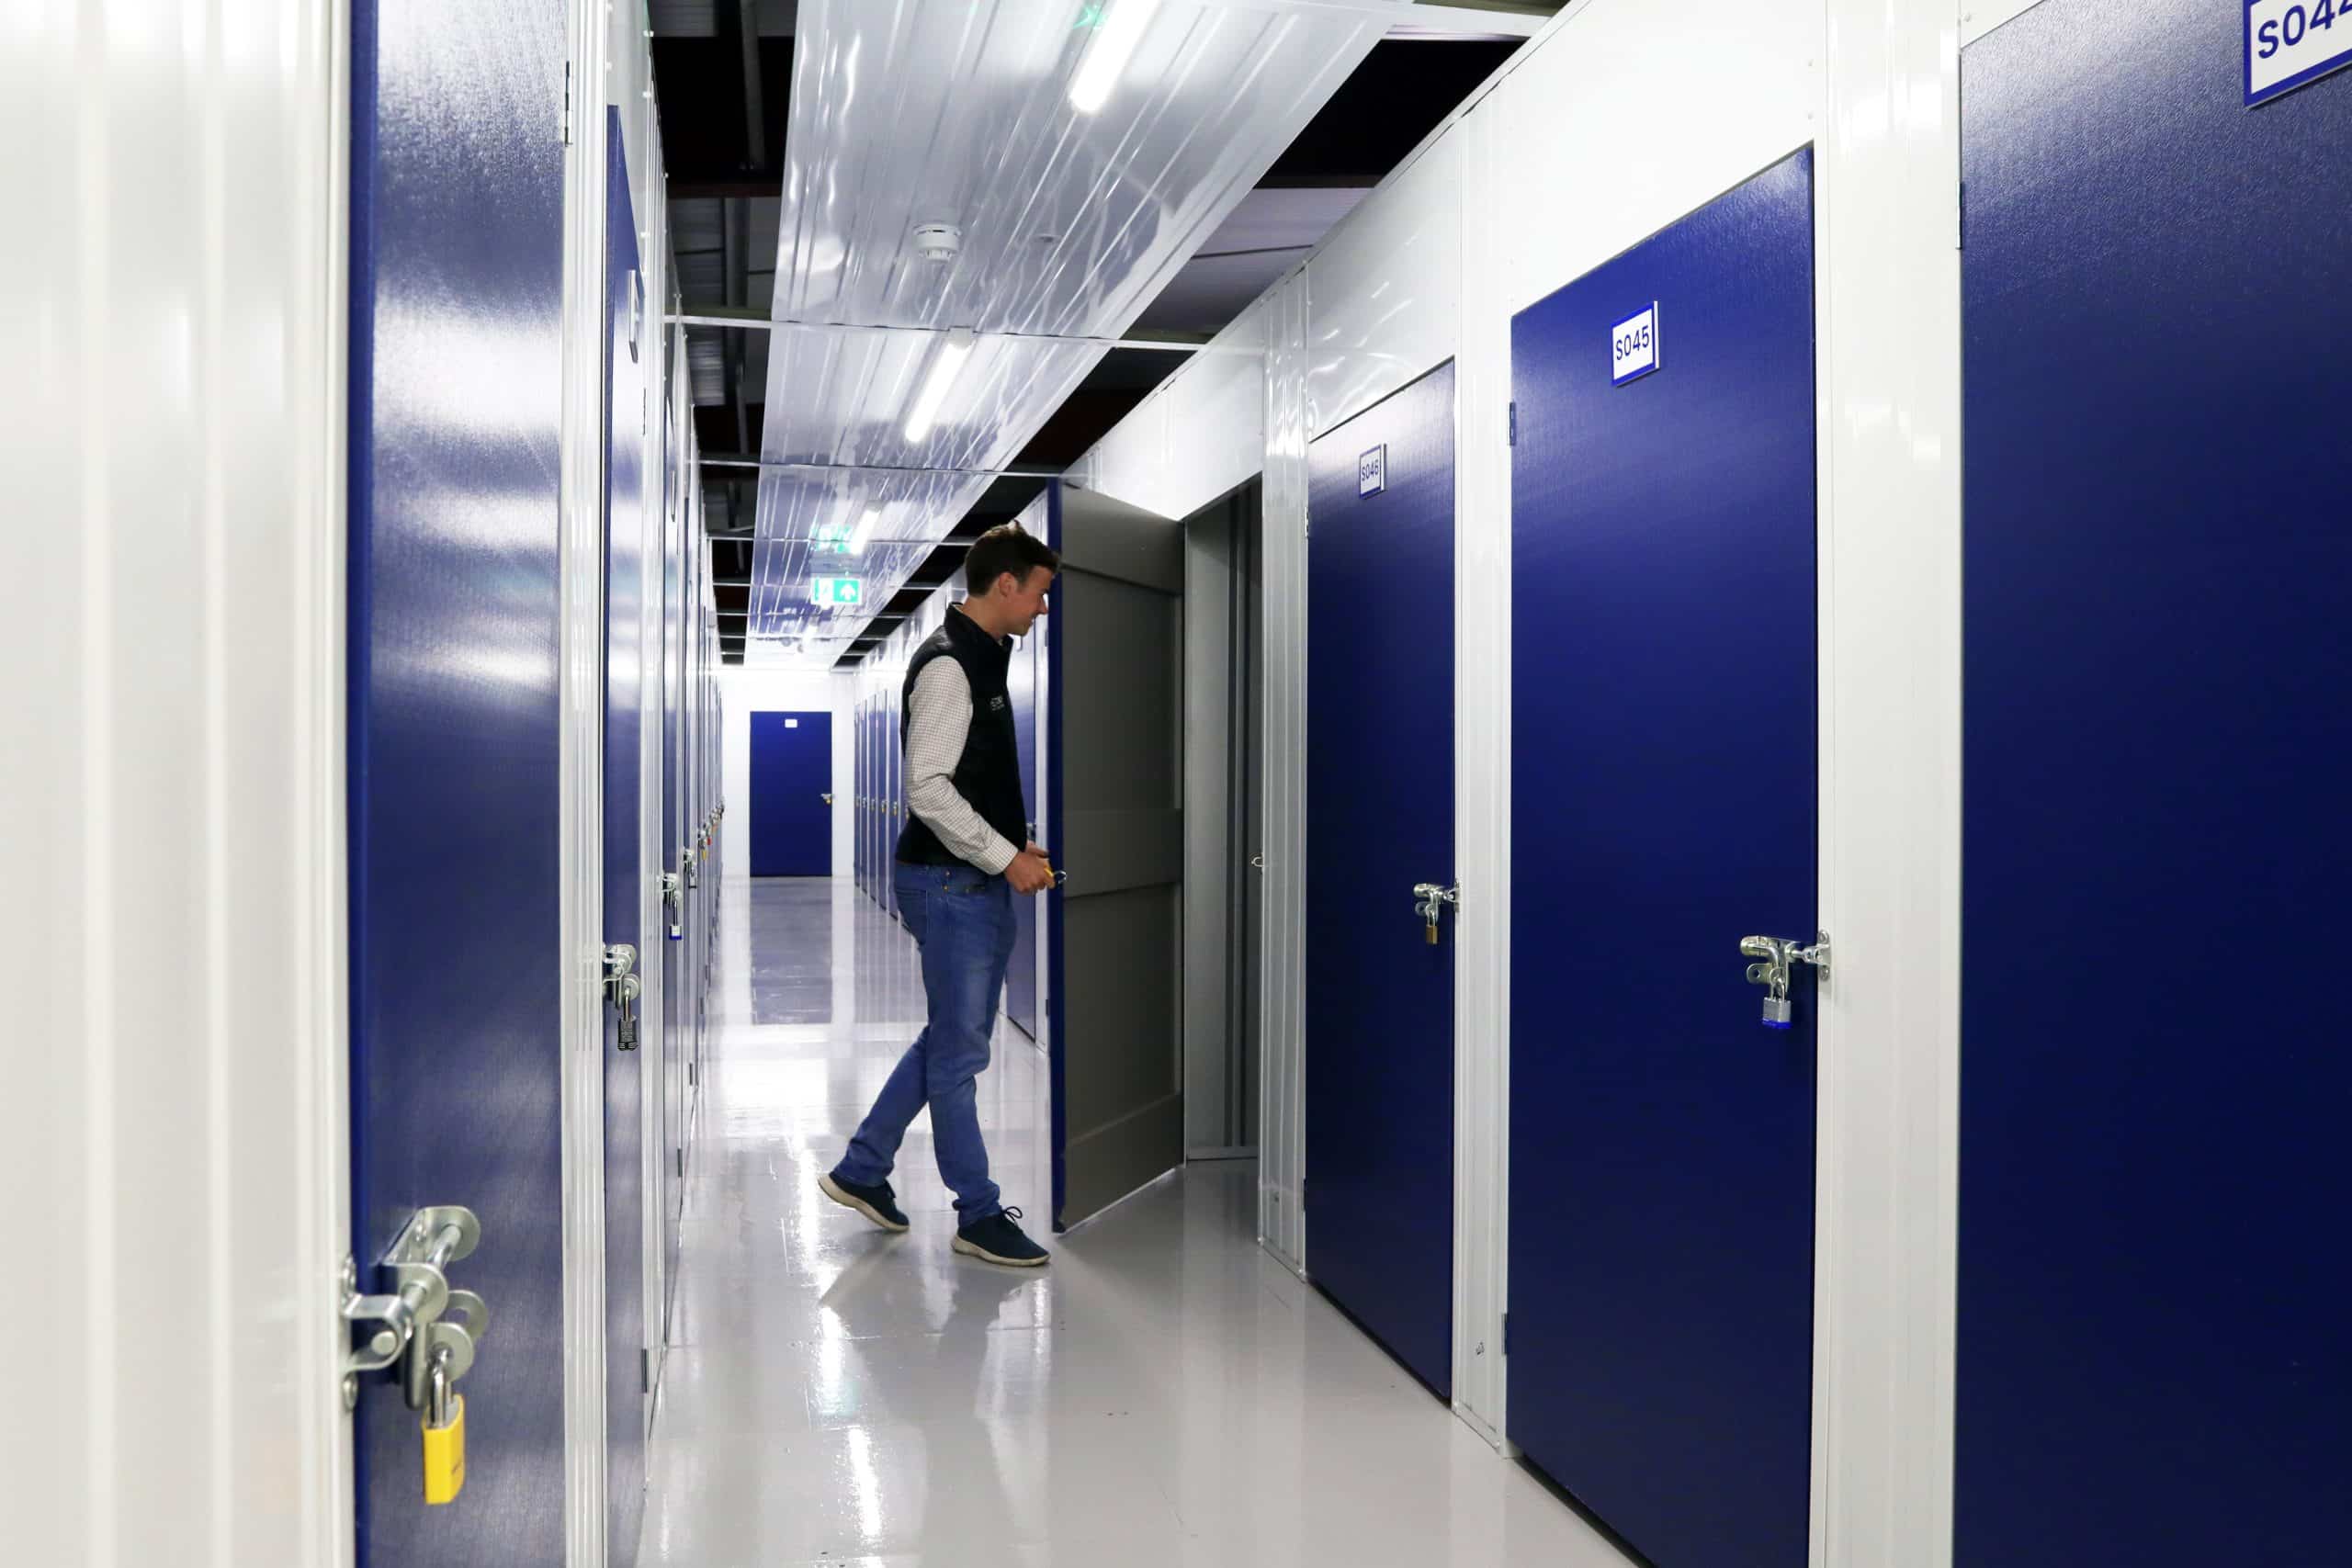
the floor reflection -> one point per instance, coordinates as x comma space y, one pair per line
1163, 1393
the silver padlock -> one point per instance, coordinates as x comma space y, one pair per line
1778, 954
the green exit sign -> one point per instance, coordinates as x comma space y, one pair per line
836, 590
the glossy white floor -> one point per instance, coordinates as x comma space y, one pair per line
1163, 1393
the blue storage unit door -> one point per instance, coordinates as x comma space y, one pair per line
1379, 995
627, 366
1020, 976
792, 781
1664, 794
458, 970
895, 816
2154, 1354
864, 796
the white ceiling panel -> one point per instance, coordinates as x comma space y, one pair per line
914, 112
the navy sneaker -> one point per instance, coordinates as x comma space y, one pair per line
999, 1240
876, 1202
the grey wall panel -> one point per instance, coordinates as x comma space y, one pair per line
1222, 724
1125, 1100
1121, 719
1110, 538
1208, 839
1113, 851
1120, 618
1122, 1009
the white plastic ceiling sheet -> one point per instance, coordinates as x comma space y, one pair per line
909, 112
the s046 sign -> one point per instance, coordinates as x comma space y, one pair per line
2290, 42
1633, 346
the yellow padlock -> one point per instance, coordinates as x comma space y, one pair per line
445, 1436
444, 1456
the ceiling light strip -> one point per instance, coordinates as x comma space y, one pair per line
947, 362
783, 466
1415, 20
761, 323
1108, 52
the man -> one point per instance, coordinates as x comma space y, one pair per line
957, 872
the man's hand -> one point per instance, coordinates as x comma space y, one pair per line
1030, 873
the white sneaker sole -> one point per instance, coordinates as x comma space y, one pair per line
840, 1195
973, 1250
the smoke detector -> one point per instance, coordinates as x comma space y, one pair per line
938, 241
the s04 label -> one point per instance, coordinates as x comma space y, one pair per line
2290, 42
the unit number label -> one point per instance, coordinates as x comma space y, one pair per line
1633, 346
1372, 470
2290, 42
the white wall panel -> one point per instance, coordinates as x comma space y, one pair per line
743, 693
1886, 1248
171, 427
1216, 416
1131, 462
1281, 1138
1200, 432
1631, 115
1384, 292
1482, 776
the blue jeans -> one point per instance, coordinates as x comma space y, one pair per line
961, 920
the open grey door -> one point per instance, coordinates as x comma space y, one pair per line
1116, 651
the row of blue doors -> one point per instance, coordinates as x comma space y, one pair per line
455, 711
2152, 1363
881, 806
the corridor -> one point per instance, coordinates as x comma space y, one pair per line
1163, 1393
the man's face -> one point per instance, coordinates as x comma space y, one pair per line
1024, 598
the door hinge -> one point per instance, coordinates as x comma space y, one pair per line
1514, 422
1960, 220
1506, 1334
567, 103
690, 1075
681, 1164
645, 1369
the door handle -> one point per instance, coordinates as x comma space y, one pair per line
1776, 956
411, 1326
829, 800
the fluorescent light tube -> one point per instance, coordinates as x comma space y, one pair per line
863, 532
945, 365
1107, 53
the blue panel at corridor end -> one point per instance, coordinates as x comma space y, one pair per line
792, 771
627, 367
2154, 1361
1664, 788
457, 967
1379, 1098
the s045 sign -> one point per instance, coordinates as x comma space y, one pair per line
1633, 346
2290, 42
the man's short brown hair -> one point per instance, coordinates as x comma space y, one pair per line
1008, 548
